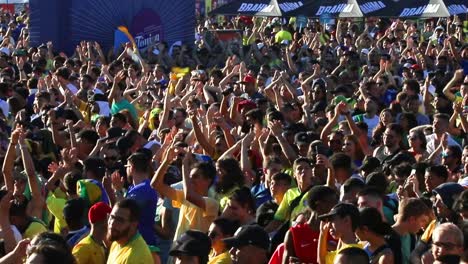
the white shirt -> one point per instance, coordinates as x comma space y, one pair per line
16, 233
431, 145
70, 87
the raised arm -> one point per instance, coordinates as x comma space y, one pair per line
204, 143
330, 125
114, 94
276, 129
448, 88
322, 249
9, 241
189, 192
245, 161
37, 198
9, 162
158, 179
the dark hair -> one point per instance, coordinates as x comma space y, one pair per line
52, 247
95, 166
90, 136
320, 193
69, 181
182, 110
457, 152
377, 180
421, 137
140, 162
281, 176
227, 227
104, 120
371, 191
438, 170
352, 184
208, 171
442, 116
461, 203
256, 114
121, 117
341, 161
244, 197
413, 207
411, 119
372, 219
63, 72
75, 211
275, 115
402, 170
355, 255
132, 206
19, 208
413, 85
395, 128
234, 175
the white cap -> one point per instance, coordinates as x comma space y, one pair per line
365, 51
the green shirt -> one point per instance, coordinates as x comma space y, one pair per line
406, 248
124, 104
284, 210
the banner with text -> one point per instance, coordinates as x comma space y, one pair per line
66, 23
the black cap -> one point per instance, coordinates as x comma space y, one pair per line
449, 192
192, 243
369, 164
249, 235
342, 210
123, 144
319, 107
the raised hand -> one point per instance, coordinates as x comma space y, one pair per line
276, 127
322, 160
15, 136
117, 181
120, 76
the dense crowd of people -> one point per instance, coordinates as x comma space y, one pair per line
339, 143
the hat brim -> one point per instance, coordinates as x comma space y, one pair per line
327, 216
233, 242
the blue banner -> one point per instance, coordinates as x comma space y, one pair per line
66, 23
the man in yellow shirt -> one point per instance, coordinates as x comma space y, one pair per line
91, 250
197, 210
128, 246
192, 247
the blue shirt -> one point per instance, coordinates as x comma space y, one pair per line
147, 198
261, 194
76, 237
